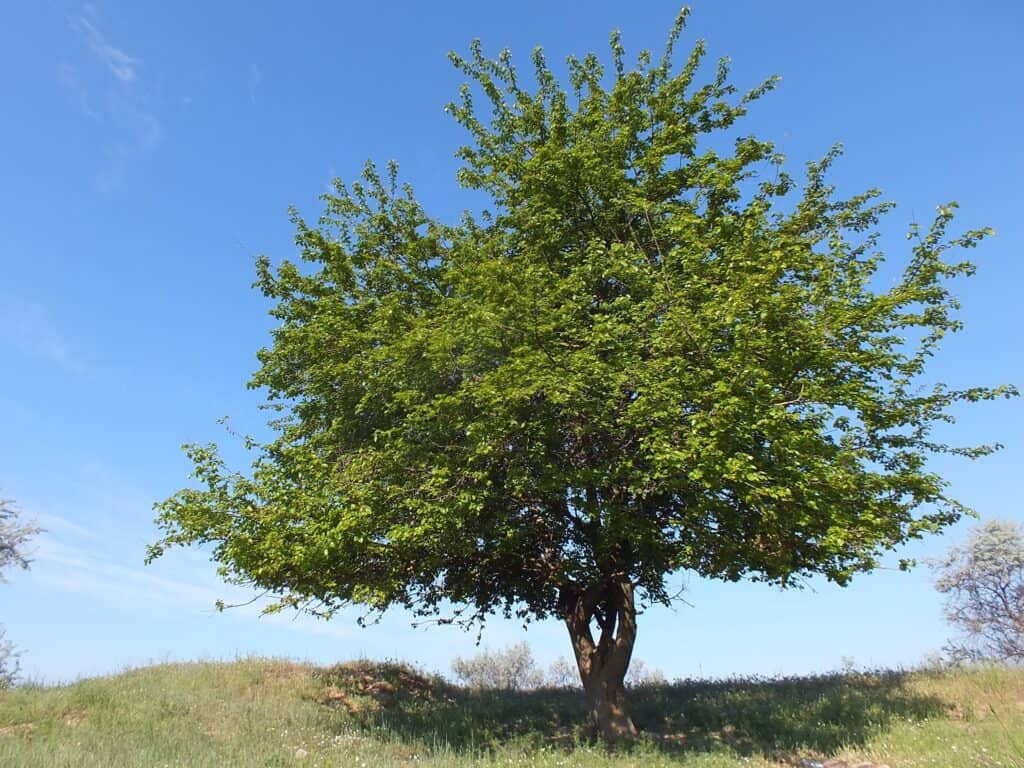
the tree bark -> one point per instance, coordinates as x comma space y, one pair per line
602, 665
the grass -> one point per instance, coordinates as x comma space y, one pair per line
267, 713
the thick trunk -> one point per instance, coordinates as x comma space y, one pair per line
609, 712
602, 665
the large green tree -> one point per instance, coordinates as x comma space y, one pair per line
655, 352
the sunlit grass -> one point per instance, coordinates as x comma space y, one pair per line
261, 712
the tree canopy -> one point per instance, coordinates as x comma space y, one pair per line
983, 581
656, 351
14, 537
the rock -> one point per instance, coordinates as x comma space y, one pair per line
805, 763
301, 753
835, 762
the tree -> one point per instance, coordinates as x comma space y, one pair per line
563, 674
650, 354
983, 581
14, 535
510, 669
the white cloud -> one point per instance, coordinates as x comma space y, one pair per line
255, 79
70, 558
28, 327
70, 568
121, 65
59, 525
125, 98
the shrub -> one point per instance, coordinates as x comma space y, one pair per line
562, 674
639, 676
9, 662
515, 669
512, 669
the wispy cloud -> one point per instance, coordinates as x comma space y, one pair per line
70, 568
122, 66
29, 328
70, 558
63, 527
255, 80
124, 97
71, 82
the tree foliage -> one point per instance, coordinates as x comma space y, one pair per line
508, 669
14, 536
656, 351
983, 581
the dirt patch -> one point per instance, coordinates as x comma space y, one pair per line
73, 716
336, 697
18, 729
365, 685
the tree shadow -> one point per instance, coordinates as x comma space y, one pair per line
775, 718
779, 718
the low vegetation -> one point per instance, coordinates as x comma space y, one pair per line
514, 669
267, 713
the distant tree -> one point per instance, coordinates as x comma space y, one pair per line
562, 674
510, 669
983, 581
515, 669
14, 535
10, 661
655, 352
639, 675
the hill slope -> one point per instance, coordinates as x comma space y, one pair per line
272, 713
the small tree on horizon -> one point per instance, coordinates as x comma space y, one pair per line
14, 536
651, 354
983, 583
510, 669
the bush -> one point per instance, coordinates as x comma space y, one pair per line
562, 674
512, 669
638, 675
515, 669
9, 663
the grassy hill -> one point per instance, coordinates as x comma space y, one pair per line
273, 713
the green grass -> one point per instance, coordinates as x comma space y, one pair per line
266, 713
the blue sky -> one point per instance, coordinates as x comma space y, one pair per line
150, 151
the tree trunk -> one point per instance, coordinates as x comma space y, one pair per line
602, 665
608, 710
